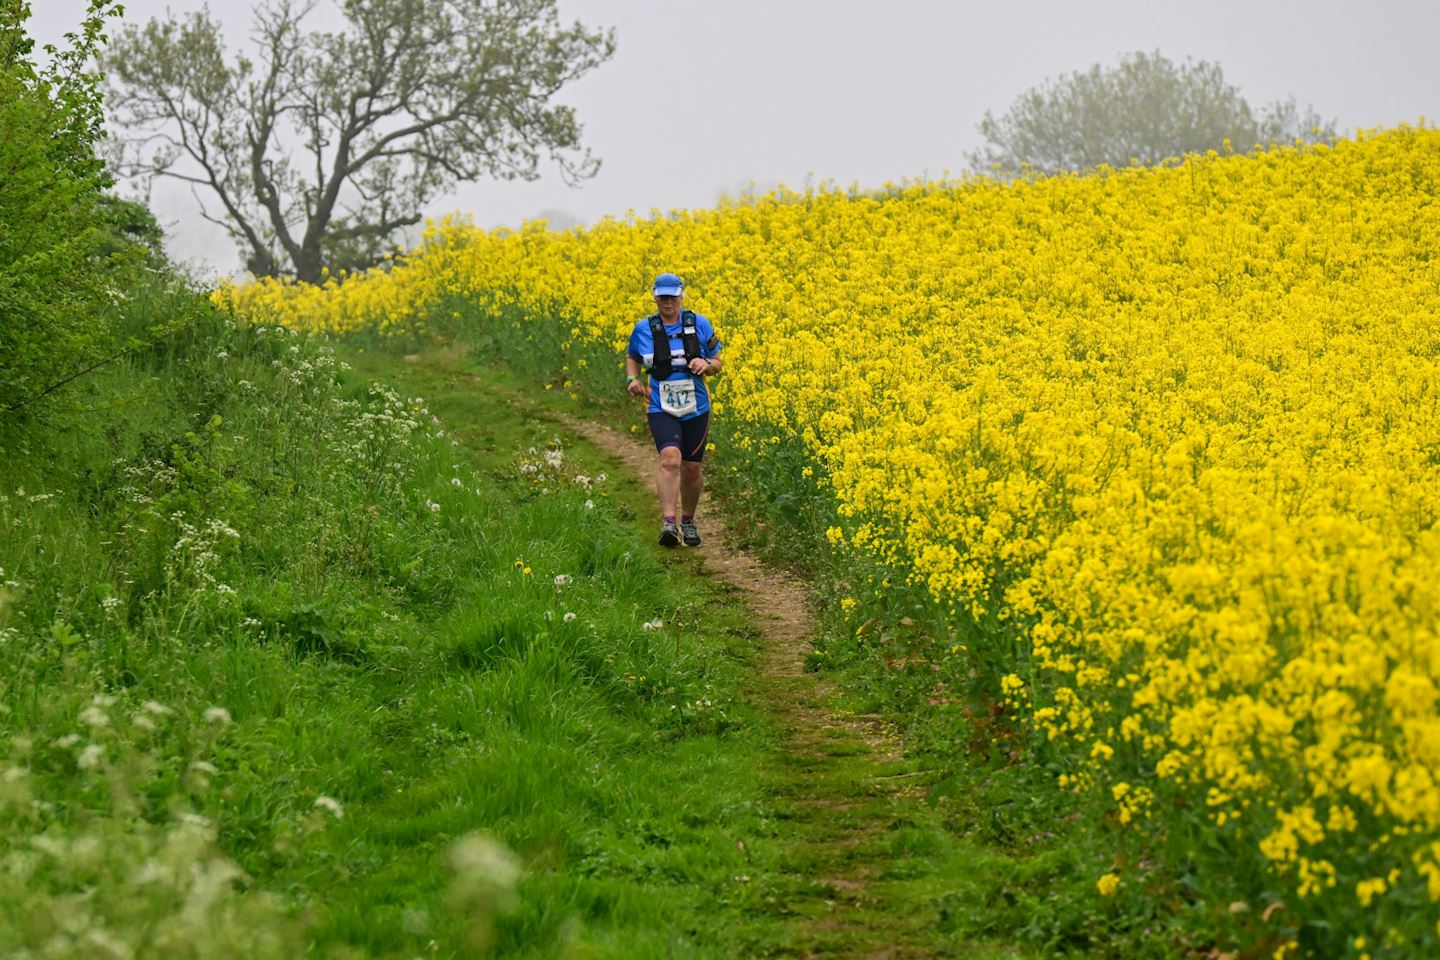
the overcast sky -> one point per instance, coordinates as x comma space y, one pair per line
868, 92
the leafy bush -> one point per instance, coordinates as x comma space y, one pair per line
62, 239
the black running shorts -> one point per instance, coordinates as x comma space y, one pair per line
688, 435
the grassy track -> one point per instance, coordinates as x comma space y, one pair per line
290, 666
848, 857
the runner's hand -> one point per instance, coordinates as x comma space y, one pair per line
636, 388
699, 365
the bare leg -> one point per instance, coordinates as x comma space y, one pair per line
667, 480
692, 482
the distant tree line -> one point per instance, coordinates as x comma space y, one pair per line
1144, 109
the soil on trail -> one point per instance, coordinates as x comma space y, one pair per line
839, 776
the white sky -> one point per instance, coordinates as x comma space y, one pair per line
704, 96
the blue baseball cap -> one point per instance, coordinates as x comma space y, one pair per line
669, 285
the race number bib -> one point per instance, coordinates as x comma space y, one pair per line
677, 397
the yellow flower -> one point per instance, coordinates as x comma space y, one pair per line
1180, 456
1108, 884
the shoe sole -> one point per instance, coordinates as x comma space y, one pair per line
692, 543
669, 540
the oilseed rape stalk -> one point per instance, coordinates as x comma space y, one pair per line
1172, 435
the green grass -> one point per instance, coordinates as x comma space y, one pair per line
978, 856
293, 660
418, 668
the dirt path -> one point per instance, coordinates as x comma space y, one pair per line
839, 776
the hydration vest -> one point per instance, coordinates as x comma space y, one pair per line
661, 366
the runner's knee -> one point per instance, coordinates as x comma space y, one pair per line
670, 458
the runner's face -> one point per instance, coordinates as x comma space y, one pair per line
669, 307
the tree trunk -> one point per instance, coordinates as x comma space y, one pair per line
308, 267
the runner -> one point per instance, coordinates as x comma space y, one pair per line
679, 409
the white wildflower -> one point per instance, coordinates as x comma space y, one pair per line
67, 741
332, 805
589, 504
54, 846
563, 580
655, 624
455, 482
478, 858
434, 507
110, 603
217, 715
91, 756
93, 716
569, 617
157, 708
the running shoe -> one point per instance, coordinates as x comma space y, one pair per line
690, 534
669, 534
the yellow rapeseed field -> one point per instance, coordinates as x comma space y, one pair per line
1179, 426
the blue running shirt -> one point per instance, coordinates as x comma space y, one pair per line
643, 350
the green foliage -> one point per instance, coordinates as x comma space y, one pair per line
284, 669
131, 225
1145, 109
52, 295
67, 85
63, 241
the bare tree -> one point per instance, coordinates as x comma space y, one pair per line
326, 144
1144, 109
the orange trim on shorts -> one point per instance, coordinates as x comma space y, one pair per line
703, 437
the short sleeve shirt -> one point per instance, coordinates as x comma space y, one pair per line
642, 348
